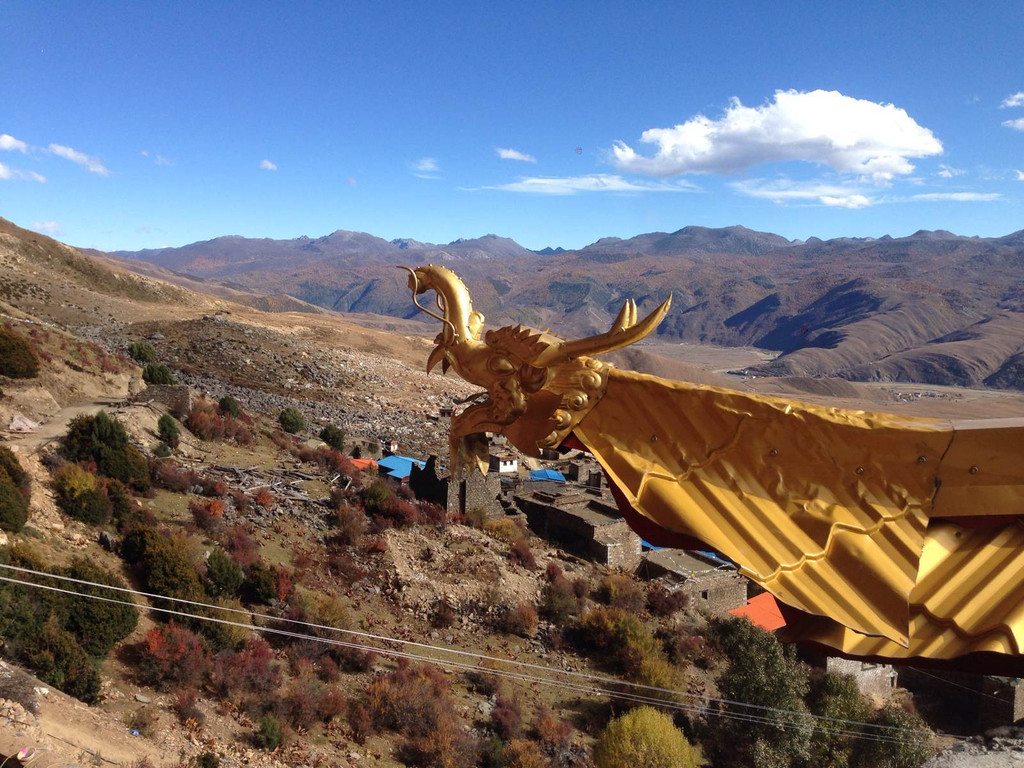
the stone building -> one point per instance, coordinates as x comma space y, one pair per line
503, 461
177, 397
426, 482
476, 491
875, 680
964, 702
582, 522
710, 585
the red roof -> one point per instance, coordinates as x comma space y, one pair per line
763, 611
364, 464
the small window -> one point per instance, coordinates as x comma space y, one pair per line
704, 594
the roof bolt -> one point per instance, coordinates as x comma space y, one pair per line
654, 438
773, 452
922, 459
859, 470
973, 470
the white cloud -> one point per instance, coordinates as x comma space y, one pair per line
7, 173
91, 164
850, 135
266, 165
948, 172
514, 154
1020, 175
425, 168
158, 159
49, 227
11, 144
847, 201
782, 191
1017, 125
957, 197
1014, 100
598, 182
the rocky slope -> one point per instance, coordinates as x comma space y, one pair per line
933, 307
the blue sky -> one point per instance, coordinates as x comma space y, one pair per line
132, 125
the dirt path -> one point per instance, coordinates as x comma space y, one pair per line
57, 425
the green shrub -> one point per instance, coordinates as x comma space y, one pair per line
269, 734
291, 420
58, 660
163, 562
167, 430
141, 352
9, 463
837, 698
910, 745
762, 673
13, 505
260, 583
229, 407
98, 625
333, 436
619, 640
223, 575
157, 373
61, 637
81, 495
17, 359
102, 440
643, 737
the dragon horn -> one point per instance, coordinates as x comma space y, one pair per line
624, 331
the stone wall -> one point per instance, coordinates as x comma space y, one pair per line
962, 702
477, 491
427, 483
878, 680
712, 588
177, 397
583, 524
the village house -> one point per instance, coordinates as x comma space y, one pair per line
709, 582
581, 521
503, 461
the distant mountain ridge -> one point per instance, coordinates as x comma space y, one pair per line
934, 306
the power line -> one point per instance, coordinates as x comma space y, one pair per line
634, 697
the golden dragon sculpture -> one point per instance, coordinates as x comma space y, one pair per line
882, 536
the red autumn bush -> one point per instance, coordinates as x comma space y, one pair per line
521, 554
521, 620
240, 544
251, 669
208, 514
206, 422
166, 474
172, 656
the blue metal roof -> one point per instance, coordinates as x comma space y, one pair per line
547, 474
398, 466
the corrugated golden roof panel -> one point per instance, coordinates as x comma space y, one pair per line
893, 536
969, 598
801, 496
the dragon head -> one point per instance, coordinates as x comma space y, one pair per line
538, 385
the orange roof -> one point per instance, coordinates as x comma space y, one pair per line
762, 611
364, 464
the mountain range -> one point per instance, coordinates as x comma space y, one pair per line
933, 307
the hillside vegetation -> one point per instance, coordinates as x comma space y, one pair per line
932, 307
